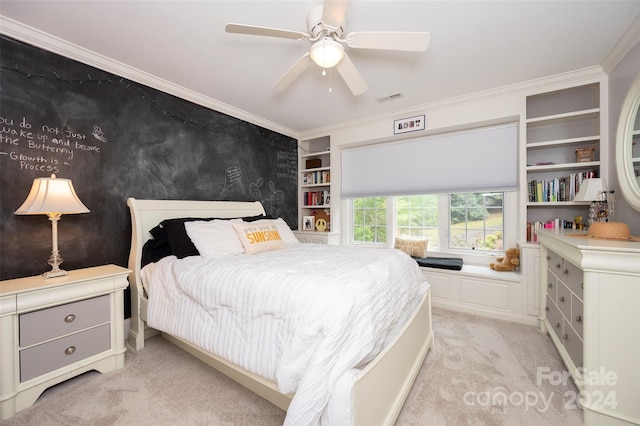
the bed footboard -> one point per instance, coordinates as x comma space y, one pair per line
382, 387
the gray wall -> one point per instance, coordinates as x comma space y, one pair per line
620, 80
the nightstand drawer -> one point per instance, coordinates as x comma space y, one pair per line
50, 323
50, 356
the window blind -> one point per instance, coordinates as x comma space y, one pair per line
482, 159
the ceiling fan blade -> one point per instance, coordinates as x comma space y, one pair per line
265, 31
333, 12
406, 41
351, 76
293, 72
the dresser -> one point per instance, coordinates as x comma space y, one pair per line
55, 329
590, 299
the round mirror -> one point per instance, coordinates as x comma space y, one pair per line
628, 147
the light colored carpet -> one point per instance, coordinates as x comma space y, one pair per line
476, 361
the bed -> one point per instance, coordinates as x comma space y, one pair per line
376, 390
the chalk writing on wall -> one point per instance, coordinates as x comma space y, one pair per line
115, 139
37, 147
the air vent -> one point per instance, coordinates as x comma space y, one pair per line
390, 97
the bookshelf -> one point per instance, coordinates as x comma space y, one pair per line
314, 198
564, 146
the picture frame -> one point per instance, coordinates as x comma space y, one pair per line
308, 223
411, 124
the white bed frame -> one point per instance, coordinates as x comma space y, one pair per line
381, 387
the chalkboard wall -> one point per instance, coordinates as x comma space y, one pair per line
116, 139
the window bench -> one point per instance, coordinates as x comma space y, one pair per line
478, 289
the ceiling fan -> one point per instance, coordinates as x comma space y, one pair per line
325, 23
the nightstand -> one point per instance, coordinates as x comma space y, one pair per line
55, 329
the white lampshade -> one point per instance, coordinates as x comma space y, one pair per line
327, 52
591, 190
52, 195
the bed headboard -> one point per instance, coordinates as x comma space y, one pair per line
146, 214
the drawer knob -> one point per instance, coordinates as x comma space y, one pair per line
562, 299
70, 350
557, 266
558, 325
548, 257
550, 285
69, 318
546, 308
565, 337
579, 319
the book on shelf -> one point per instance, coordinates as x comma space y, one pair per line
316, 198
317, 177
557, 189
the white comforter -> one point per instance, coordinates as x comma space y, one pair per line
302, 316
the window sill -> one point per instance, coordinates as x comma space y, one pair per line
477, 271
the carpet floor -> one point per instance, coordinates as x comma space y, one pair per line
481, 372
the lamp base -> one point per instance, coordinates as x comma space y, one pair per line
55, 261
54, 274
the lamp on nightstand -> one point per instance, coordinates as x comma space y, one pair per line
594, 190
53, 197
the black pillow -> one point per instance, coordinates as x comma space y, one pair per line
155, 248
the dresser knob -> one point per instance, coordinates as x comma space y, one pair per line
562, 299
558, 325
579, 319
548, 257
546, 308
557, 266
550, 285
70, 350
565, 337
69, 318
565, 272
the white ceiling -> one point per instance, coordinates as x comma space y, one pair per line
475, 46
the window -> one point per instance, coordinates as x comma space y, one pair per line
369, 224
454, 222
476, 221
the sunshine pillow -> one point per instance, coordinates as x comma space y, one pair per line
415, 247
286, 234
258, 237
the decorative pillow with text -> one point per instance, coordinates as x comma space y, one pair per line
286, 234
259, 237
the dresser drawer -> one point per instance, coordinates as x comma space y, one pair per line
552, 284
573, 344
554, 263
576, 314
554, 317
572, 277
563, 299
55, 354
50, 323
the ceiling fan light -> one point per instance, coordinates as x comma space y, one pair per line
327, 53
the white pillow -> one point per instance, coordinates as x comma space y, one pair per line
288, 238
214, 238
258, 237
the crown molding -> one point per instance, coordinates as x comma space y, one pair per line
535, 86
625, 43
37, 38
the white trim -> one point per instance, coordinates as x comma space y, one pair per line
46, 41
622, 47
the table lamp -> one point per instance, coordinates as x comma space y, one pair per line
53, 197
594, 190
